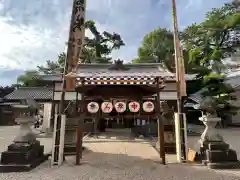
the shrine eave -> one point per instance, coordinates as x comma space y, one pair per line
125, 80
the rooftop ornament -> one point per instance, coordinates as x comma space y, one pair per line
118, 65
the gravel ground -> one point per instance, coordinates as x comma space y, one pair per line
114, 159
117, 167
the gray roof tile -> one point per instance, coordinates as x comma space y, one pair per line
97, 70
36, 93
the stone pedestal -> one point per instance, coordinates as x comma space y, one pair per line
214, 152
26, 152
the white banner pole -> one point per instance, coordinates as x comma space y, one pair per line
178, 138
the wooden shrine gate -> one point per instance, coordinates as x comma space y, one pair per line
119, 86
103, 82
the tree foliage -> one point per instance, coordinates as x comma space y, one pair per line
101, 45
29, 78
6, 90
212, 41
53, 67
205, 48
156, 47
209, 44
205, 45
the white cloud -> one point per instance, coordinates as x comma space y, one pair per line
24, 46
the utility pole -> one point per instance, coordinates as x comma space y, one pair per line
180, 80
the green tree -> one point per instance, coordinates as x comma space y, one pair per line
158, 47
100, 46
212, 41
29, 78
88, 55
209, 44
53, 67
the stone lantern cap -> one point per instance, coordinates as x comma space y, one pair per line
21, 106
27, 105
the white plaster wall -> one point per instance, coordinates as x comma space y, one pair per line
58, 86
168, 95
68, 96
170, 86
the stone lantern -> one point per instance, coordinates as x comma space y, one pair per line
214, 151
25, 152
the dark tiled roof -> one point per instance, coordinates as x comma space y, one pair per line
102, 70
36, 93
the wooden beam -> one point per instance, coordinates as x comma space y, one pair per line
79, 145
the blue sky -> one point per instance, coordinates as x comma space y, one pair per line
33, 31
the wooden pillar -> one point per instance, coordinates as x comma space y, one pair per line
77, 103
95, 125
79, 144
80, 128
53, 115
160, 125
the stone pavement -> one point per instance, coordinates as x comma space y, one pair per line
117, 158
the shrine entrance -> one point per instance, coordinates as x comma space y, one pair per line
119, 111
120, 95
